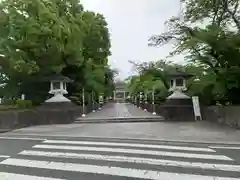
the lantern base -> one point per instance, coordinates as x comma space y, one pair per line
58, 98
177, 94
178, 107
58, 112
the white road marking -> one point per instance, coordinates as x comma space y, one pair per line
22, 138
4, 156
12, 176
162, 162
130, 145
136, 151
225, 147
114, 171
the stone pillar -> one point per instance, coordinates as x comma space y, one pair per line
140, 99
145, 102
83, 102
93, 102
153, 102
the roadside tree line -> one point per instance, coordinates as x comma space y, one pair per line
208, 31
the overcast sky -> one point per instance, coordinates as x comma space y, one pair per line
131, 23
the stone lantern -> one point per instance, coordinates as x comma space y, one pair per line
178, 84
58, 109
58, 87
178, 106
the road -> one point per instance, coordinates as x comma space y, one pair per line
119, 151
74, 158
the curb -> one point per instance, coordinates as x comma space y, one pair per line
5, 130
166, 140
13, 136
118, 120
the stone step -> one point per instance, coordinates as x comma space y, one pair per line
120, 120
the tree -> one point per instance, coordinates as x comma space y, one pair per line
202, 84
52, 37
152, 77
215, 45
94, 73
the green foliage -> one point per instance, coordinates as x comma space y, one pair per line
151, 78
209, 32
52, 37
24, 104
155, 77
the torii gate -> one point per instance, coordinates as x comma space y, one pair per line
120, 92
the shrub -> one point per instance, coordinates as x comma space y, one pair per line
23, 104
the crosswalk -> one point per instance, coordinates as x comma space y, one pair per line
120, 159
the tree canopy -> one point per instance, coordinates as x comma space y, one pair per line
52, 37
208, 31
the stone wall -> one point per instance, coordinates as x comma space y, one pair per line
227, 115
172, 112
15, 119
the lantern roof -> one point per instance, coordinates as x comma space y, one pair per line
58, 78
180, 73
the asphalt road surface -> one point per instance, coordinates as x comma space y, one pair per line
92, 158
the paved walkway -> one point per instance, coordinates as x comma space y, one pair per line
200, 131
118, 111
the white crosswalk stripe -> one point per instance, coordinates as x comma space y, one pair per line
9, 176
4, 156
134, 160
129, 145
136, 151
225, 147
